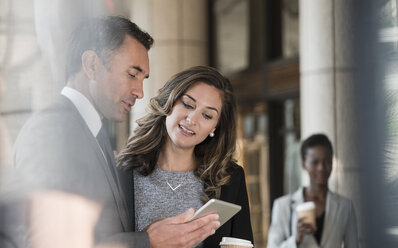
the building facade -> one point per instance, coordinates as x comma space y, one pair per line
297, 67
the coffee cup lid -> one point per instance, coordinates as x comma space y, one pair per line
235, 241
305, 206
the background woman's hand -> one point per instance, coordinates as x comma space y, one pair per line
303, 229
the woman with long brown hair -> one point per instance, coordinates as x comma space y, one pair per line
182, 152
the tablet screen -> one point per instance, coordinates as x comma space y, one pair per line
224, 209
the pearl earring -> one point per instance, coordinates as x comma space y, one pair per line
211, 134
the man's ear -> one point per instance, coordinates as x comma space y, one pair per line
90, 63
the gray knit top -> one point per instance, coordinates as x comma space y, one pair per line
164, 194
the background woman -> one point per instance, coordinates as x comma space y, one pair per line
335, 216
182, 152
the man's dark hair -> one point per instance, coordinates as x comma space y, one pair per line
103, 35
315, 140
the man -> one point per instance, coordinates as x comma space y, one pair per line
77, 198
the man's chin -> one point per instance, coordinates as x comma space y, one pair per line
118, 118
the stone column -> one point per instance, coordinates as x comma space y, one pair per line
327, 86
180, 30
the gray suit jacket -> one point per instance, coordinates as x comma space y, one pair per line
339, 227
56, 150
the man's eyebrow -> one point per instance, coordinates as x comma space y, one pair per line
139, 69
193, 99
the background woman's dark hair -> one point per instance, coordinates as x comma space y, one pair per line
315, 140
102, 35
214, 155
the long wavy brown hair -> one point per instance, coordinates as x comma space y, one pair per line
214, 154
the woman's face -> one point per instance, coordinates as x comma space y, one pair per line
194, 116
318, 164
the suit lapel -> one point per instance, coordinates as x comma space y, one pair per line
330, 217
127, 189
92, 141
297, 198
119, 194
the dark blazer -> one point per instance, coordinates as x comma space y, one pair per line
56, 150
238, 226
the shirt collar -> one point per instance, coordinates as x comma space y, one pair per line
85, 108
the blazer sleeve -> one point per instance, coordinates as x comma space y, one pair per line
351, 233
241, 225
278, 235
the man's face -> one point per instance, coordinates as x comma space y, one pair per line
119, 83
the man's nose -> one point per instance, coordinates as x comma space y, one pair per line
138, 90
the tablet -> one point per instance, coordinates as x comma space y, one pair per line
224, 209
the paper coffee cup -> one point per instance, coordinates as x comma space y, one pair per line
306, 210
227, 242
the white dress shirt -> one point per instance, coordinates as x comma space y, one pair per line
85, 108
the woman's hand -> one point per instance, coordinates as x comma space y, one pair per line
303, 229
179, 231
